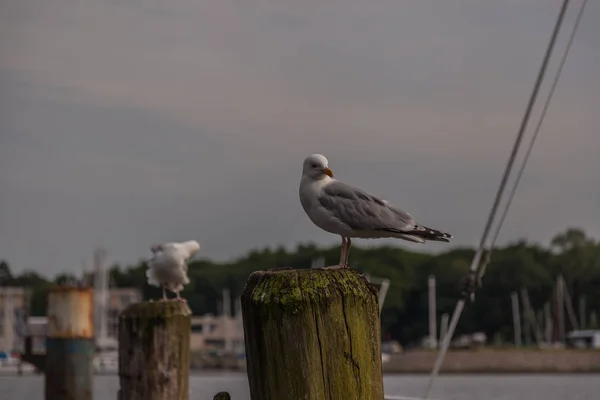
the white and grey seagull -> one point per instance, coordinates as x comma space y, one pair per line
344, 210
168, 266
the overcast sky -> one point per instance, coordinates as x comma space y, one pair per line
125, 123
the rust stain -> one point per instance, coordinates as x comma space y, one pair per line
71, 312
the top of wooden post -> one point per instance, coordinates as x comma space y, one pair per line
154, 309
312, 334
288, 287
154, 351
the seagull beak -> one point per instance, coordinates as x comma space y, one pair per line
328, 172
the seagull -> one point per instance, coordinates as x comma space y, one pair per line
341, 209
168, 266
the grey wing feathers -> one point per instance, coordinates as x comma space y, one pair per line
363, 211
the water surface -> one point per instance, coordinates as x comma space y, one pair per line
449, 387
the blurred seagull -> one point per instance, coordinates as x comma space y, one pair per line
352, 213
168, 266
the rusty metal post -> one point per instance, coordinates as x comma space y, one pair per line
70, 344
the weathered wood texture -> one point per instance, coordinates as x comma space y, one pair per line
154, 351
312, 335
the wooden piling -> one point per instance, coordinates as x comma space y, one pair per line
312, 335
154, 351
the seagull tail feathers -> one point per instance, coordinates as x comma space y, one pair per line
430, 234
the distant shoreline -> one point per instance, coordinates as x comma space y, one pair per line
497, 361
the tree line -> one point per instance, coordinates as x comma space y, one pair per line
405, 314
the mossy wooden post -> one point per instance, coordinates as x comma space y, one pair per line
312, 334
154, 351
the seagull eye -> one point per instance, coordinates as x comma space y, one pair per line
314, 165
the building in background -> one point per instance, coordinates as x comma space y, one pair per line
37, 329
216, 332
13, 314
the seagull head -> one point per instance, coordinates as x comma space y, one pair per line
191, 246
155, 248
316, 167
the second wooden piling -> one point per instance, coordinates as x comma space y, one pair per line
154, 351
312, 335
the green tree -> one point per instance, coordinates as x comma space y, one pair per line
5, 274
405, 313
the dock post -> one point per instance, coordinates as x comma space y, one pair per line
69, 344
154, 351
312, 334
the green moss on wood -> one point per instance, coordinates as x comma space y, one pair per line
291, 288
312, 334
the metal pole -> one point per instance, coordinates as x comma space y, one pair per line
101, 296
569, 306
432, 313
532, 323
548, 323
383, 289
444, 326
516, 318
384, 285
582, 321
539, 320
227, 319
239, 324
69, 344
594, 320
526, 323
560, 308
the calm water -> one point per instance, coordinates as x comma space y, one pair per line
463, 387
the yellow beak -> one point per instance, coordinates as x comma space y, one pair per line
328, 172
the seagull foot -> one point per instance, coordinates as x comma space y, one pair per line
334, 267
280, 268
180, 299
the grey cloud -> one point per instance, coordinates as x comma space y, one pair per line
123, 123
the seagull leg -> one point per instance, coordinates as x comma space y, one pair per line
180, 299
347, 255
342, 256
343, 253
164, 294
